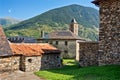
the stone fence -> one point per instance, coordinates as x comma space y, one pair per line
88, 53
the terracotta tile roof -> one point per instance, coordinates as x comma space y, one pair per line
62, 35
32, 49
4, 45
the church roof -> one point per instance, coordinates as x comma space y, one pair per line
4, 45
32, 49
63, 34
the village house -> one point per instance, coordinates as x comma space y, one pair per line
6, 56
65, 40
109, 31
27, 56
35, 57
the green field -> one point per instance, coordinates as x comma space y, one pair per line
71, 71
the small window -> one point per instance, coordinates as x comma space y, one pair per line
29, 60
57, 43
58, 57
66, 43
65, 51
51, 42
46, 41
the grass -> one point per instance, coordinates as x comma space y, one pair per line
72, 72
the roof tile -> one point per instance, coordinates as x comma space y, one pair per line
31, 49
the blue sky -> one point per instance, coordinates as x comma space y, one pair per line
24, 9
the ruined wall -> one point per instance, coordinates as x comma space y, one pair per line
88, 54
9, 63
49, 61
109, 36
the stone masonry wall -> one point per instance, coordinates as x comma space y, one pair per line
36, 63
88, 53
109, 36
30, 63
67, 51
8, 64
49, 61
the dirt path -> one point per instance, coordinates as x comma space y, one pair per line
18, 75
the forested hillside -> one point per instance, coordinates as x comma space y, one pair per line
57, 19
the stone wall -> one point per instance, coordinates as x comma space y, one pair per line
109, 47
49, 61
36, 63
30, 63
67, 51
9, 63
88, 54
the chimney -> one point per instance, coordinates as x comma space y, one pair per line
42, 34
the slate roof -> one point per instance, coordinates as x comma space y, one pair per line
96, 2
62, 35
20, 39
32, 49
73, 20
4, 45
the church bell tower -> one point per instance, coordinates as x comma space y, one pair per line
74, 26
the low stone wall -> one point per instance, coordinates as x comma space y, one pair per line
88, 53
8, 64
49, 61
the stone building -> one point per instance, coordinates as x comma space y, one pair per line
35, 57
65, 40
27, 56
109, 32
7, 60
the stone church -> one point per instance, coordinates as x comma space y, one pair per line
65, 40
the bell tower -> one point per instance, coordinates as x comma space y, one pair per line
74, 26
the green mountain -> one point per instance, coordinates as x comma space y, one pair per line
57, 19
7, 21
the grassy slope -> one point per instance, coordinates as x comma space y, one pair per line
73, 72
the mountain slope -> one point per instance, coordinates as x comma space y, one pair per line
5, 22
59, 18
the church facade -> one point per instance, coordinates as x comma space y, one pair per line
65, 40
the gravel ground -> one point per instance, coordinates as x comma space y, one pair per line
19, 75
